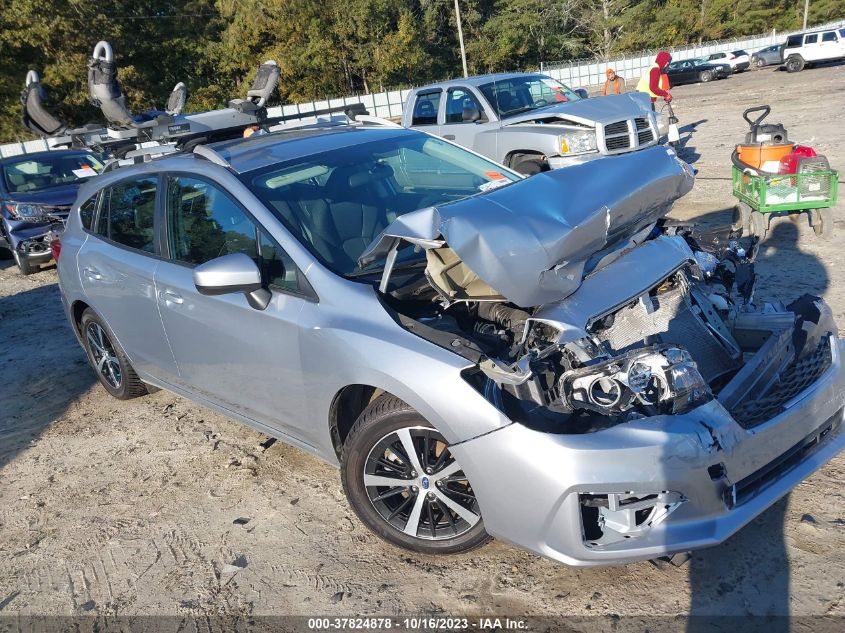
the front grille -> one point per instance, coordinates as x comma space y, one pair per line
620, 127
641, 123
619, 142
750, 486
793, 380
645, 137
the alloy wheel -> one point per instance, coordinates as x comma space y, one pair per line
103, 355
417, 486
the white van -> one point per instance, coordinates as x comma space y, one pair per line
805, 49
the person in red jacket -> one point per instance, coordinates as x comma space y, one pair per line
651, 79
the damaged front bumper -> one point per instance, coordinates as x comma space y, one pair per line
653, 486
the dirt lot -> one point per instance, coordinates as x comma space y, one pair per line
130, 508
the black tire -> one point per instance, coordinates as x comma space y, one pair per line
24, 266
127, 385
531, 166
822, 221
375, 448
759, 224
705, 76
795, 64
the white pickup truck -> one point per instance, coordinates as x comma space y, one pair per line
531, 122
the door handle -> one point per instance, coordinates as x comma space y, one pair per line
168, 296
92, 273
449, 137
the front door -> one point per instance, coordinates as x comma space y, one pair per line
117, 265
243, 359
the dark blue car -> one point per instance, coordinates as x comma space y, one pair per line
36, 192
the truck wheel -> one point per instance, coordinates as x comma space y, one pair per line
795, 64
705, 76
23, 263
531, 166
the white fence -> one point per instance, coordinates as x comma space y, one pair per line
576, 74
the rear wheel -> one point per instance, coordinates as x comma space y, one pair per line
23, 263
405, 485
705, 76
795, 64
108, 359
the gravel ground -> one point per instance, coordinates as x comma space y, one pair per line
160, 506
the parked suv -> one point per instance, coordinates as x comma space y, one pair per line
805, 49
531, 122
737, 60
544, 352
36, 192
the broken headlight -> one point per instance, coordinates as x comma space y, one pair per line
26, 212
654, 380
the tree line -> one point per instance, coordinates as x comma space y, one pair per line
329, 48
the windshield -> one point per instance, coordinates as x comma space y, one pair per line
337, 202
28, 175
515, 95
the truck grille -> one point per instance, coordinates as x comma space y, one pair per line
794, 379
619, 135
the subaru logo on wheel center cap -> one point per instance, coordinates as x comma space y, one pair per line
424, 483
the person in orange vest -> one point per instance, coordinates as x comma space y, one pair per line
651, 81
614, 83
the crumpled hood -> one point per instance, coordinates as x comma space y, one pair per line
530, 241
602, 110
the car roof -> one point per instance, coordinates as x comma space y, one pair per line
479, 80
261, 150
56, 153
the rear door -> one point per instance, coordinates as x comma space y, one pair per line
117, 265
243, 359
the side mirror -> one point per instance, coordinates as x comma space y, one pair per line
230, 274
581, 92
470, 114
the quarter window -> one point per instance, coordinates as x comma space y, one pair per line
128, 214
86, 212
425, 108
204, 223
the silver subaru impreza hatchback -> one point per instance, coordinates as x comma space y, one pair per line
545, 360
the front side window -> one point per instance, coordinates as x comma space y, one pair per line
811, 39
336, 202
460, 103
203, 223
425, 108
793, 41
28, 174
515, 95
128, 214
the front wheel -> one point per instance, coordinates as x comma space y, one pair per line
705, 76
794, 64
759, 63
405, 485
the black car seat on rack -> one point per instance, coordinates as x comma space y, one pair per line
36, 116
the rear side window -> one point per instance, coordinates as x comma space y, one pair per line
793, 41
86, 212
425, 108
811, 39
128, 214
829, 37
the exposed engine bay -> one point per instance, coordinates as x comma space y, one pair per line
604, 356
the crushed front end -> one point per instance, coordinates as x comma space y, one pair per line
656, 407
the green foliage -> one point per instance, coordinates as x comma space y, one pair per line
327, 48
